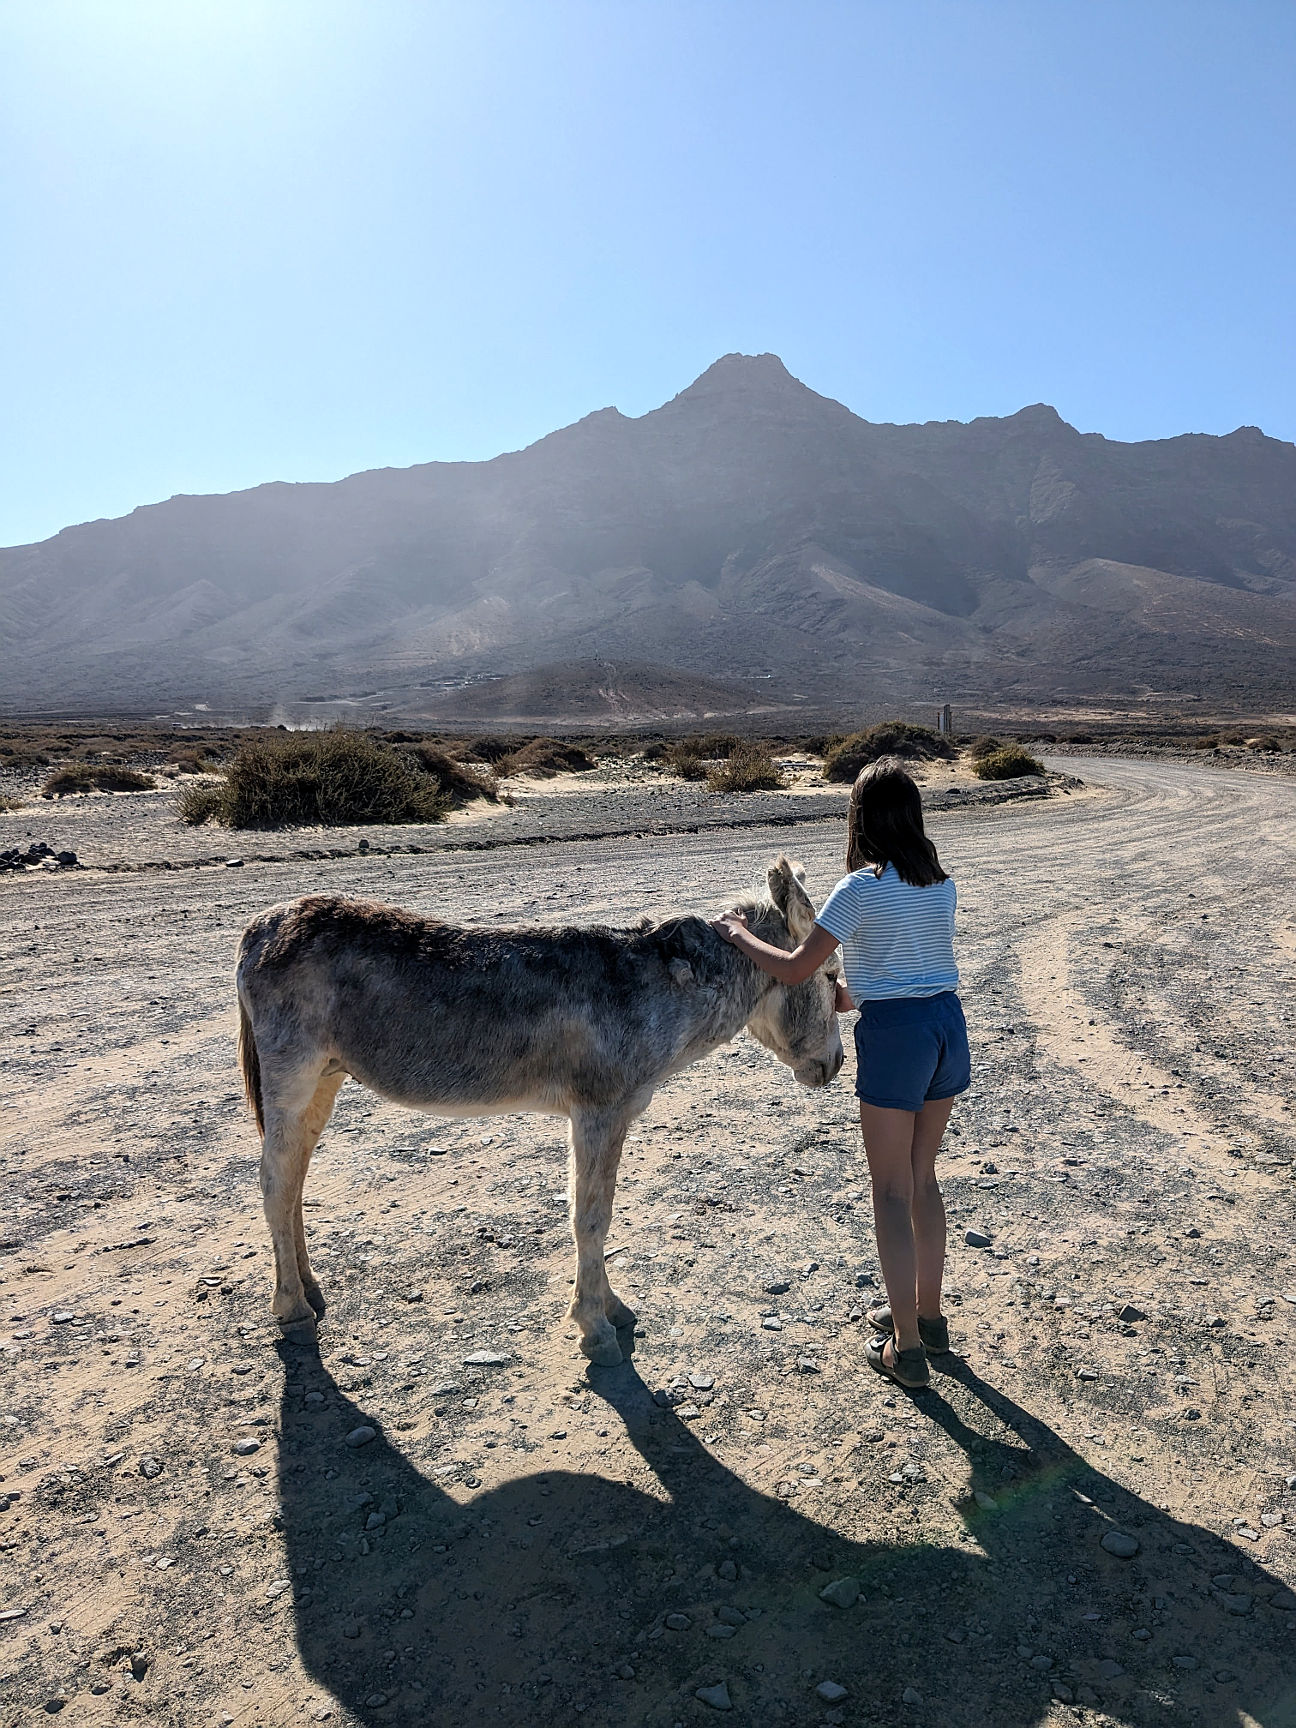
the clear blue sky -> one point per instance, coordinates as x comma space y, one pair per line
292, 239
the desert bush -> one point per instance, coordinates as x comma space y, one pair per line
985, 745
7, 804
492, 748
198, 804
820, 743
749, 768
189, 759
892, 738
1006, 763
1267, 743
542, 758
96, 777
335, 779
1080, 738
685, 759
456, 783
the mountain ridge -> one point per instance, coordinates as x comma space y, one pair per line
747, 528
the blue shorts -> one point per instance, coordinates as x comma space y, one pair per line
911, 1051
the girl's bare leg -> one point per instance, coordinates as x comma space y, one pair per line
928, 1206
889, 1147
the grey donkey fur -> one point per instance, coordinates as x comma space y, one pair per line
583, 1023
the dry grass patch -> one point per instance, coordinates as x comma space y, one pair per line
543, 759
96, 777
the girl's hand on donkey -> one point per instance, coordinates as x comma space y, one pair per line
729, 923
843, 1002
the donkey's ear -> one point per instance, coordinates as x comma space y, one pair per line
788, 893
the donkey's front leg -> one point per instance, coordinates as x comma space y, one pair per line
596, 1139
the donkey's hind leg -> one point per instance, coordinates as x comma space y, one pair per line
596, 1139
292, 1126
314, 1123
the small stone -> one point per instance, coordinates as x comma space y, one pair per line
1088, 1373
278, 1588
1063, 1694
1122, 1545
150, 1466
701, 1382
62, 1316
1129, 1313
678, 1622
772, 1323
807, 1365
1271, 1520
350, 1628
1187, 1663
1225, 1676
716, 1696
1235, 1601
720, 1630
1289, 1483
315, 1400
233, 863
246, 1446
67, 858
911, 1695
841, 1593
140, 1663
1141, 1633
727, 1570
484, 1359
831, 1692
375, 1520
777, 1287
361, 1436
375, 1700
977, 1239
1041, 1663
731, 1616
1110, 1669
985, 1501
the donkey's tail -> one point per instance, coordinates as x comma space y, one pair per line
250, 1064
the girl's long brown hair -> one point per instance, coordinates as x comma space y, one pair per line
885, 826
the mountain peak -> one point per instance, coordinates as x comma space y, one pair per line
742, 374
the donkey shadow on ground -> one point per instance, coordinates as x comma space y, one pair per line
545, 1600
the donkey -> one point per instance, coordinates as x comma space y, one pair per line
583, 1023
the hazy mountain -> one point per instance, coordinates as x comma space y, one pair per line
748, 533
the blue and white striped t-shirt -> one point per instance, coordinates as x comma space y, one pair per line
896, 940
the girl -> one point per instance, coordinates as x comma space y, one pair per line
893, 915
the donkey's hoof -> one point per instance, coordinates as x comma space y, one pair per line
315, 1296
299, 1331
288, 1312
602, 1352
619, 1315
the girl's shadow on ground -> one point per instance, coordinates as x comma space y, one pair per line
546, 1600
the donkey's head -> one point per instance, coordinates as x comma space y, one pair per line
797, 1022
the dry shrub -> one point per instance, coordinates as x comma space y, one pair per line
199, 804
820, 743
456, 783
492, 748
985, 745
749, 768
7, 804
892, 738
685, 759
189, 759
1007, 763
304, 779
542, 758
96, 777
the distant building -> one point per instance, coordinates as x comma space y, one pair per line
945, 721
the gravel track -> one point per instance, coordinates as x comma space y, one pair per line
537, 1542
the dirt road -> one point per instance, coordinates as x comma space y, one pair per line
199, 1530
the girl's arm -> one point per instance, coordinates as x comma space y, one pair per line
793, 968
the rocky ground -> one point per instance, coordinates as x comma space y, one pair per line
440, 1515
